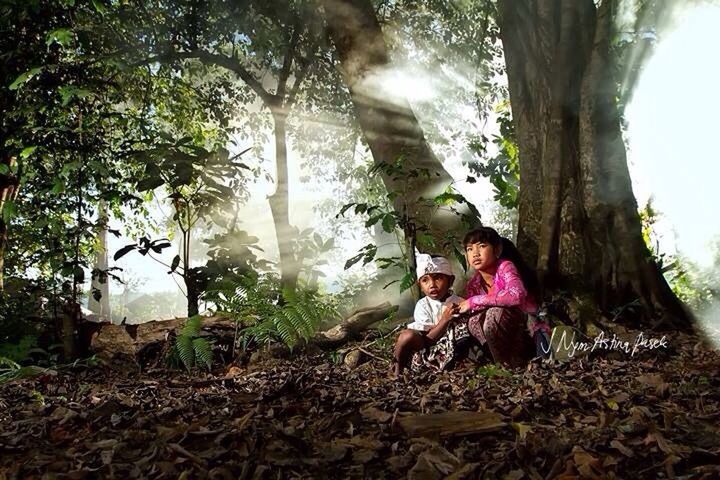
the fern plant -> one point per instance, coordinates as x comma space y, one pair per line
294, 322
8, 369
189, 349
264, 313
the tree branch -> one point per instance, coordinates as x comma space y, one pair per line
287, 63
299, 78
208, 58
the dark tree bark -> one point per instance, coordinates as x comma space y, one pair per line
8, 192
388, 123
578, 217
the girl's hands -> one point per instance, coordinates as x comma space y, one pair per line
448, 312
463, 306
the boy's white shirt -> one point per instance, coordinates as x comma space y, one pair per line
428, 311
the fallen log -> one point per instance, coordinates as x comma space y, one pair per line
351, 327
448, 424
114, 343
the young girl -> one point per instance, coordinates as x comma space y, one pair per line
432, 328
498, 297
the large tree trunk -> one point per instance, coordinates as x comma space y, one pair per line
578, 217
388, 123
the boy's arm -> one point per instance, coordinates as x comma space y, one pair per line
445, 319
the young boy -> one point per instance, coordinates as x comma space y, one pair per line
433, 313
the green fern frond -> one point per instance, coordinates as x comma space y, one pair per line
192, 326
6, 362
189, 349
285, 328
185, 351
295, 320
310, 320
203, 352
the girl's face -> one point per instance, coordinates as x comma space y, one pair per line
435, 285
482, 256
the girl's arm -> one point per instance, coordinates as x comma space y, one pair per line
512, 295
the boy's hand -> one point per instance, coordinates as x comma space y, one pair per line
449, 311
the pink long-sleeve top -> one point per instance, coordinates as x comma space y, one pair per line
507, 290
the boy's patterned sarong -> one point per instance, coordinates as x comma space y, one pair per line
505, 332
456, 344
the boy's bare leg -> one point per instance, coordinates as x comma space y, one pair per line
408, 342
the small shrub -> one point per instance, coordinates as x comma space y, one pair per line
296, 321
189, 349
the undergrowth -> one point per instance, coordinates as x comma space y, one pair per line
190, 349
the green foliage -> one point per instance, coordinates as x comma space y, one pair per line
25, 311
503, 169
18, 351
696, 286
293, 321
189, 349
309, 247
409, 230
9, 369
492, 370
296, 321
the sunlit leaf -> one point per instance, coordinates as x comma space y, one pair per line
9, 210
21, 79
99, 7
389, 222
406, 281
61, 36
27, 151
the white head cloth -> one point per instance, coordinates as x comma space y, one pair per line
427, 264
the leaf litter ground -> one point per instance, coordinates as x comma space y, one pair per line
654, 415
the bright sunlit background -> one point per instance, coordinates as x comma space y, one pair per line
673, 159
673, 133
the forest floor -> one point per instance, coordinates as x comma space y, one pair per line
652, 415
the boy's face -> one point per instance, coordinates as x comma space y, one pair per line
435, 285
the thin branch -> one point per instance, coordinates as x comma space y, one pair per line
231, 63
304, 69
287, 62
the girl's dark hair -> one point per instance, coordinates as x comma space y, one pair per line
509, 252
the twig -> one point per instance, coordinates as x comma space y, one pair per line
372, 355
387, 334
179, 449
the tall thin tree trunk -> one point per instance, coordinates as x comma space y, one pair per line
280, 203
101, 307
578, 217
